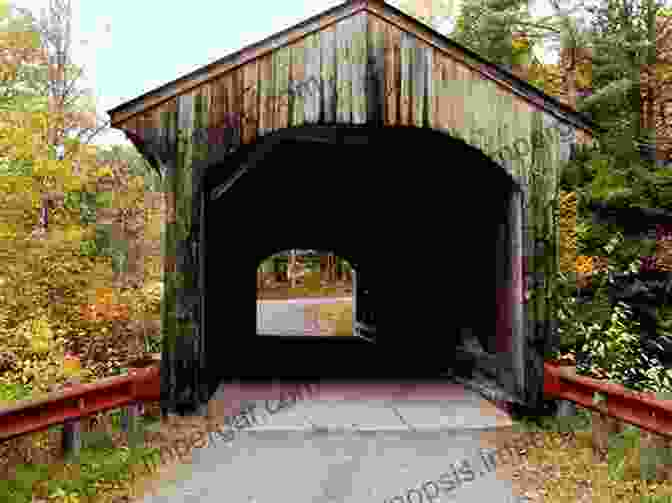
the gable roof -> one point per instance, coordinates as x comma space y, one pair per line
318, 22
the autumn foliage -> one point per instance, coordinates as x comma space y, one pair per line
57, 290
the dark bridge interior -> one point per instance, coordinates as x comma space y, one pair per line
419, 215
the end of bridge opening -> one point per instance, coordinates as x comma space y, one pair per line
308, 293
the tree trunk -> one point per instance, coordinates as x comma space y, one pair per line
332, 268
291, 267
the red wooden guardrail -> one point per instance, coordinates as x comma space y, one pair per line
560, 382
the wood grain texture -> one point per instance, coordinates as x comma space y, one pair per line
358, 67
407, 46
184, 113
418, 83
250, 102
296, 94
440, 91
344, 71
375, 92
392, 48
281, 72
328, 73
429, 117
311, 91
266, 97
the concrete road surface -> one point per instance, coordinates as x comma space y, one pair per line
289, 317
349, 443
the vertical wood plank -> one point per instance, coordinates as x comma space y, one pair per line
173, 123
207, 106
494, 129
265, 95
429, 92
328, 74
231, 110
185, 104
167, 126
162, 124
474, 106
418, 81
359, 64
343, 71
438, 120
406, 62
239, 104
311, 90
459, 99
392, 41
281, 63
449, 92
140, 129
467, 108
250, 101
147, 130
298, 75
197, 122
217, 116
375, 94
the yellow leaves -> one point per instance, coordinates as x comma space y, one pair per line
41, 337
49, 167
6, 232
584, 264
72, 234
568, 245
11, 184
104, 171
71, 365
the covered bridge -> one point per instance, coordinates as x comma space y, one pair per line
436, 152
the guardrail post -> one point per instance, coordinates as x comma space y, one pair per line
72, 431
129, 420
566, 408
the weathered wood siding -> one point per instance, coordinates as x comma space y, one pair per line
361, 69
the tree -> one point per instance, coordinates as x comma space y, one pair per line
505, 32
19, 48
431, 12
59, 80
631, 69
63, 114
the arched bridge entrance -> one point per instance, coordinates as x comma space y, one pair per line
390, 195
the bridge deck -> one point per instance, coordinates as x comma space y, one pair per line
353, 442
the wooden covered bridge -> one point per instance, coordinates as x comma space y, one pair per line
444, 154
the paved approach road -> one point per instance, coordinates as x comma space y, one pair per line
290, 317
351, 443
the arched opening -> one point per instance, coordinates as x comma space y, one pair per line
305, 292
425, 220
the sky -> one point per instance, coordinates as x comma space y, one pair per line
128, 48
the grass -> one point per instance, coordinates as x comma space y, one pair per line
11, 392
101, 473
338, 314
98, 475
628, 475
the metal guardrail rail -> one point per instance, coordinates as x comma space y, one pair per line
79, 401
144, 384
641, 409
